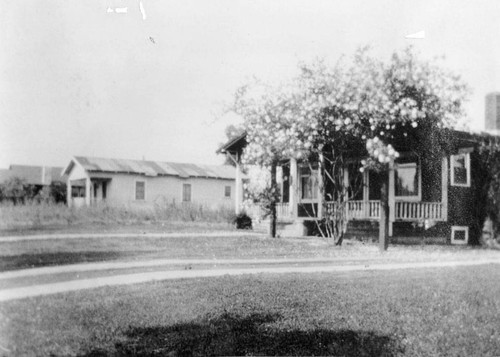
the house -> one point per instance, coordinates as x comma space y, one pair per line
34, 178
141, 183
432, 197
33, 175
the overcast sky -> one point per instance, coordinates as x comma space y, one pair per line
76, 79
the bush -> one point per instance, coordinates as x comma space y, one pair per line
243, 221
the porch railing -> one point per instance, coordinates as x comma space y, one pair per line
283, 210
358, 209
411, 211
363, 209
404, 210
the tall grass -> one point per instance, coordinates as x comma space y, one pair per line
39, 214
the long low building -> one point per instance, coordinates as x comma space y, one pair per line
141, 183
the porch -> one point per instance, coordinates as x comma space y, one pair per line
417, 192
87, 191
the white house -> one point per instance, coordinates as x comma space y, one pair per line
142, 183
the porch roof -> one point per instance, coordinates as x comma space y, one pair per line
461, 138
236, 144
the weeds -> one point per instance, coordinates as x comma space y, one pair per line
39, 214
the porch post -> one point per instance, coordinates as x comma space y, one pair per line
293, 189
444, 188
87, 191
366, 194
392, 200
345, 192
239, 189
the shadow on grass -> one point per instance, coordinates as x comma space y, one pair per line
24, 261
250, 335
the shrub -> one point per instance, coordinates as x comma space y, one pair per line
243, 221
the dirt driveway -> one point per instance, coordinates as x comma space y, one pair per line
196, 269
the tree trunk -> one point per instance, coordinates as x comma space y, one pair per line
383, 236
272, 228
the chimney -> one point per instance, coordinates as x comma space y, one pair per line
492, 111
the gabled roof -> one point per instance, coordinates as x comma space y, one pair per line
152, 168
236, 144
33, 175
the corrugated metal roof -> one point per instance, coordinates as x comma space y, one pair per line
156, 168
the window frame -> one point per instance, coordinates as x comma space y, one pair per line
312, 173
417, 165
227, 189
183, 194
79, 190
466, 155
455, 229
135, 190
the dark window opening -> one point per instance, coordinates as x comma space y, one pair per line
186, 192
140, 190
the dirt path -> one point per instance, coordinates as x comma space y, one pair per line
102, 266
127, 279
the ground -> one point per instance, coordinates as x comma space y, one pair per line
412, 311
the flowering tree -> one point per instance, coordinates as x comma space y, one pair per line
365, 107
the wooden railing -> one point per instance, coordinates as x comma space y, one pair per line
404, 210
363, 209
411, 211
283, 210
358, 209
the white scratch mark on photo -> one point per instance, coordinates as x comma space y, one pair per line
143, 12
121, 10
420, 35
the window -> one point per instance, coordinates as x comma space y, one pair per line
459, 234
374, 185
227, 191
460, 170
140, 190
407, 180
186, 192
77, 191
308, 183
355, 189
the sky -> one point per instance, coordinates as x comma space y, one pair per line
79, 79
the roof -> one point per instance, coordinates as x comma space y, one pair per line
154, 168
33, 175
236, 144
462, 137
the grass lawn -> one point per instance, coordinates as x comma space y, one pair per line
445, 312
48, 252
